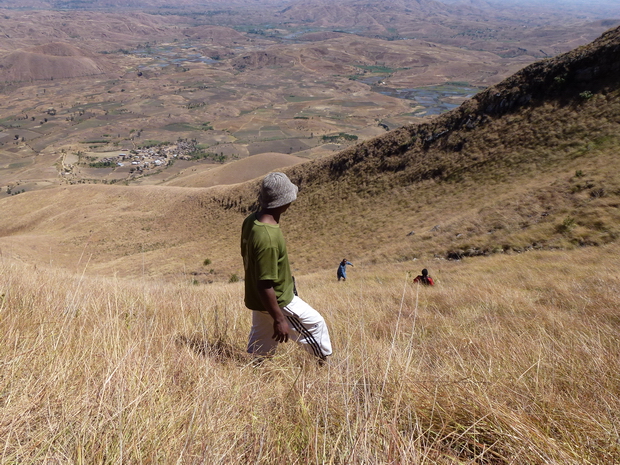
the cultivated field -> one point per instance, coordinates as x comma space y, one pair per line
508, 359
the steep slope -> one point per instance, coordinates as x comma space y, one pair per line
524, 164
569, 82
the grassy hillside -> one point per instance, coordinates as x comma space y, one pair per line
523, 165
507, 360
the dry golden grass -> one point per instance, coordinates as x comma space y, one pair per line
233, 173
508, 359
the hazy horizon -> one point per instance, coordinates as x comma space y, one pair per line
68, 4
613, 4
589, 9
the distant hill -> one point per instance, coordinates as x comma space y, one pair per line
505, 29
526, 164
127, 4
348, 54
89, 30
243, 170
51, 61
352, 13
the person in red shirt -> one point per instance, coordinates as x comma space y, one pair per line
424, 278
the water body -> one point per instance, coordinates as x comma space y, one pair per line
434, 99
194, 58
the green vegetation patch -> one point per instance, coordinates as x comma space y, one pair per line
18, 165
340, 136
147, 144
9, 122
102, 164
95, 141
177, 127
604, 142
180, 127
200, 153
458, 83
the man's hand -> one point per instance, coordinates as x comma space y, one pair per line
281, 328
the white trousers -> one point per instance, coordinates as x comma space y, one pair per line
308, 328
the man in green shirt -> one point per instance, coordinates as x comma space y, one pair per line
278, 314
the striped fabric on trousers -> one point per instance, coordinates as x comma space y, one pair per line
308, 328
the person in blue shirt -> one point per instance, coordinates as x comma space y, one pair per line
342, 269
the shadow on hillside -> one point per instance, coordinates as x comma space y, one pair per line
218, 350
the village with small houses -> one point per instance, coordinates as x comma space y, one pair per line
128, 164
150, 157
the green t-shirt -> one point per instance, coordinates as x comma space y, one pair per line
265, 259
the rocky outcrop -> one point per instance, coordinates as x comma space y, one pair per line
568, 77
